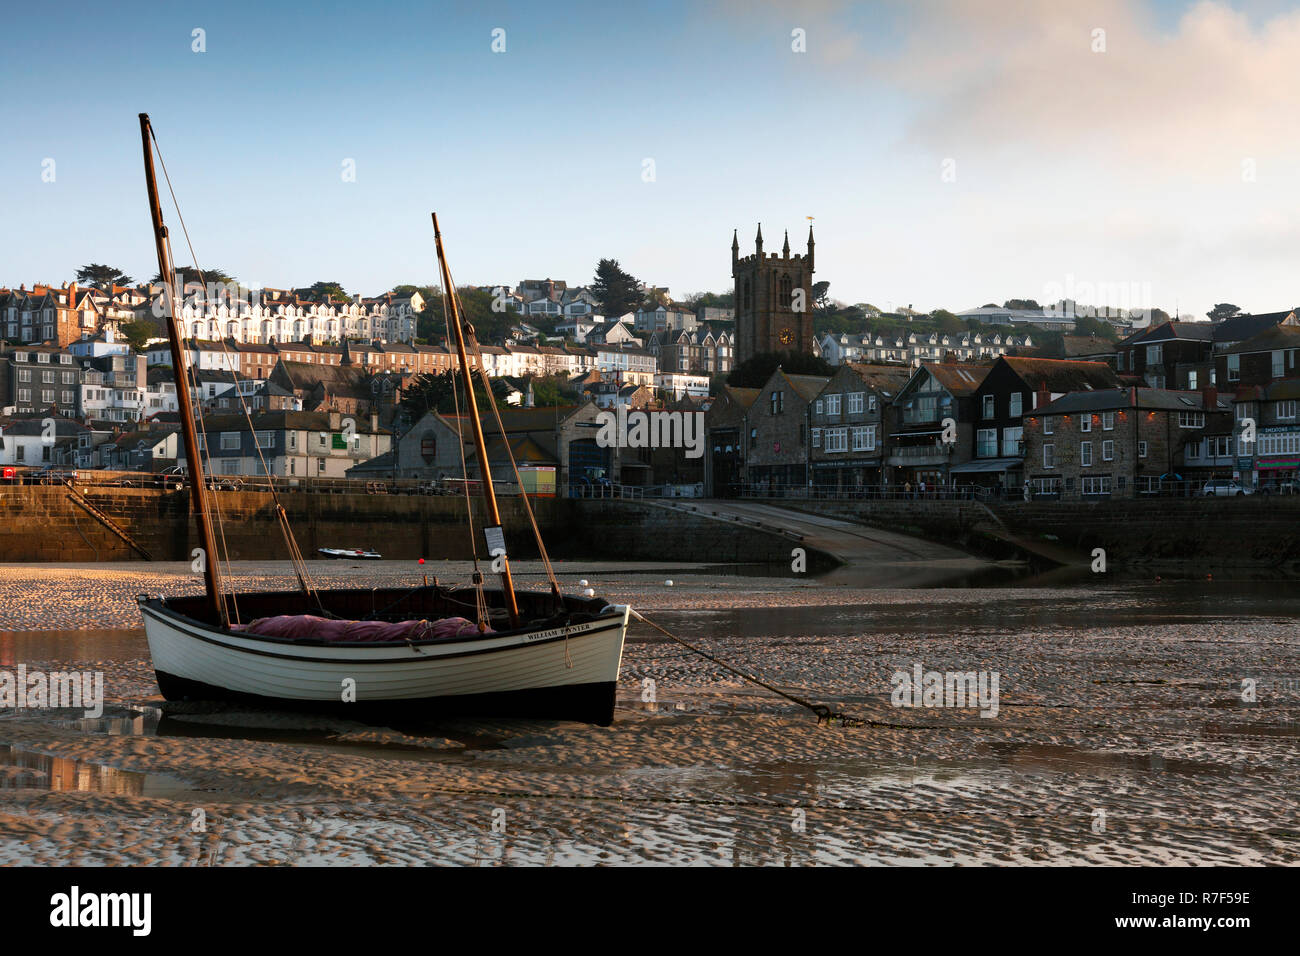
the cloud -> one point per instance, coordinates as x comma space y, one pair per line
1043, 81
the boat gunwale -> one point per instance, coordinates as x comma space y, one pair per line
158, 604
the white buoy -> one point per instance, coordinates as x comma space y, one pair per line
668, 583
590, 592
582, 583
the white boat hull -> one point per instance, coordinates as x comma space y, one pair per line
550, 671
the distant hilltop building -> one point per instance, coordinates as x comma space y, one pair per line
773, 299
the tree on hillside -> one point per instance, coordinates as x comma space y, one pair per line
821, 296
432, 392
102, 276
712, 300
754, 372
319, 290
946, 323
1224, 310
615, 289
137, 333
1086, 325
188, 274
1021, 304
477, 307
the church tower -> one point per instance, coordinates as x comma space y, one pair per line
773, 299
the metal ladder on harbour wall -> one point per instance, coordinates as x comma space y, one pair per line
77, 498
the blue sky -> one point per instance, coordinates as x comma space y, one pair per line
1120, 169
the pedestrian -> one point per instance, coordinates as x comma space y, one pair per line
907, 488
922, 486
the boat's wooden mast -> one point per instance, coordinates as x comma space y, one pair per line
198, 483
485, 473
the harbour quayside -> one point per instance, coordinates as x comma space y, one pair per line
423, 650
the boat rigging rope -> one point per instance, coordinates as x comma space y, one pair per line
473, 351
295, 553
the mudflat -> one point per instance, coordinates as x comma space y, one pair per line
1136, 722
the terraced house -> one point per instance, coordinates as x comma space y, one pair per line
848, 422
935, 393
776, 443
1119, 442
1013, 388
294, 444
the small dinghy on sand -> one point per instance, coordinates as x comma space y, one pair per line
358, 553
420, 650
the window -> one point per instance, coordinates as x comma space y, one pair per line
1108, 421
1119, 362
986, 443
1011, 439
230, 441
1085, 454
1286, 409
47, 396
1085, 422
860, 438
832, 405
778, 402
818, 408
1049, 456
837, 439
1142, 449
266, 439
817, 438
1191, 380
1095, 485
47, 378
24, 375
1048, 424
1234, 368
66, 398
988, 407
1155, 354
1191, 419
1279, 364
855, 403
1017, 404
1108, 451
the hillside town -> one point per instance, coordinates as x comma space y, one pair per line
1020, 404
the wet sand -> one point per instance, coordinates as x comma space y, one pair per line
1121, 735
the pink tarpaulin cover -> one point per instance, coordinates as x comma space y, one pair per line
308, 627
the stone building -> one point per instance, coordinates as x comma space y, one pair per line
724, 426
1116, 442
849, 426
773, 299
776, 446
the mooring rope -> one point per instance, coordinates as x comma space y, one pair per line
823, 713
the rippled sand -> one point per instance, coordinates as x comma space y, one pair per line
1121, 737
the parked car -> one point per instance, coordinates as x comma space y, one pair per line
1225, 488
1287, 486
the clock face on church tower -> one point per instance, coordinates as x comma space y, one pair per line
786, 336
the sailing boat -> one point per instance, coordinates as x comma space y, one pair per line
385, 650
